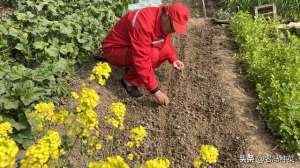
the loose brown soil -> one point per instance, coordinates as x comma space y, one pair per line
4, 11
211, 103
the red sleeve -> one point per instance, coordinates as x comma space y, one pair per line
172, 57
140, 40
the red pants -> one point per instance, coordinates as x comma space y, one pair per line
122, 57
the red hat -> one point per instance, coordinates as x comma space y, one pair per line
180, 16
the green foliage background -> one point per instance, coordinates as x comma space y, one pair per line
273, 60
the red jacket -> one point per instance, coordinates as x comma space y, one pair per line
141, 31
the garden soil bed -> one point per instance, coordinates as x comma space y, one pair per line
211, 103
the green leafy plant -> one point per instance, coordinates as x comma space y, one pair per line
22, 87
39, 44
273, 64
51, 29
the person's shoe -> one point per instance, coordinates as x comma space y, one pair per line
99, 56
131, 89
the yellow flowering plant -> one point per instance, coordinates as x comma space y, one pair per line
8, 147
208, 155
101, 73
115, 115
5, 129
42, 114
111, 162
85, 122
137, 135
42, 153
156, 163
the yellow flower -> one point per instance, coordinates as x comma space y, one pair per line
92, 77
209, 153
156, 163
86, 117
198, 162
8, 152
130, 144
62, 117
98, 146
74, 95
112, 162
88, 120
101, 81
100, 72
42, 112
62, 152
44, 108
113, 122
116, 115
118, 109
130, 156
45, 150
137, 156
5, 129
88, 99
137, 134
109, 137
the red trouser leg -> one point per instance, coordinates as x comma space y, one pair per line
122, 57
132, 76
118, 56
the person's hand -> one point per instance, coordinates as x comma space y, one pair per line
161, 98
178, 65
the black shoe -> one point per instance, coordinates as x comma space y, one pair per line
99, 56
131, 89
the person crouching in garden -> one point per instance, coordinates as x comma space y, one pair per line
140, 41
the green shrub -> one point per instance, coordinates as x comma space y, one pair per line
273, 60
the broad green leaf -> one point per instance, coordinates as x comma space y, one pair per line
25, 138
14, 32
67, 30
18, 72
32, 95
3, 29
40, 45
2, 87
19, 46
68, 48
52, 51
2, 74
60, 66
21, 16
17, 125
9, 103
